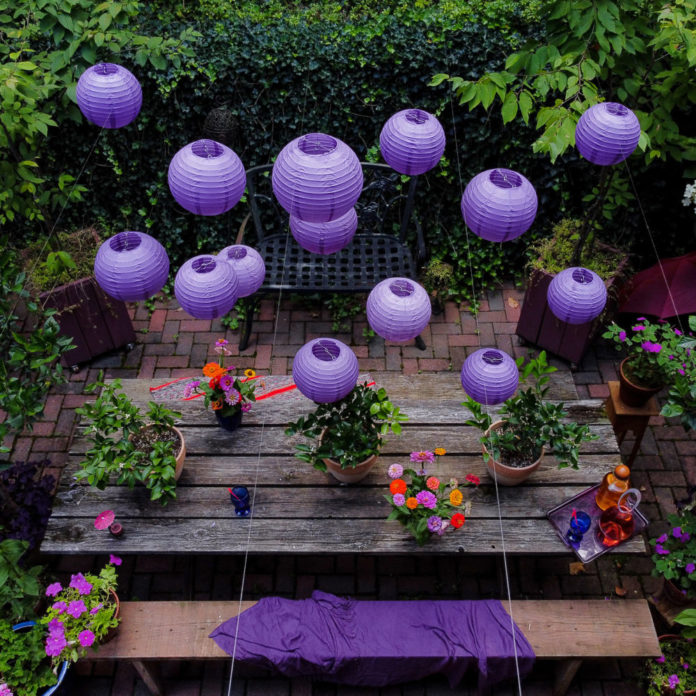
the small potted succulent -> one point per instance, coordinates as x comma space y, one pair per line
513, 447
150, 450
347, 433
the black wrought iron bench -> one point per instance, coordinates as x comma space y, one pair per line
383, 247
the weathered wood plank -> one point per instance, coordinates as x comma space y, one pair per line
293, 536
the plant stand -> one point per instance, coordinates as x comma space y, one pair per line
96, 323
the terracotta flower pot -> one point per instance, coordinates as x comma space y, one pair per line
180, 456
509, 475
633, 394
349, 474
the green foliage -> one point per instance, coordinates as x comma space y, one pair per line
343, 309
677, 660
681, 398
23, 664
113, 424
437, 278
530, 423
687, 618
675, 552
354, 426
19, 587
30, 364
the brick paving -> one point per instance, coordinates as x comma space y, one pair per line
171, 344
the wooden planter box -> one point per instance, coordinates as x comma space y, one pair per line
97, 323
539, 326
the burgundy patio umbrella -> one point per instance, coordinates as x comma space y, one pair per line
665, 292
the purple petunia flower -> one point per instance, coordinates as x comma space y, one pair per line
678, 332
434, 523
86, 638
660, 660
5, 690
77, 608
680, 371
651, 347
638, 327
685, 666
427, 499
94, 610
673, 681
114, 560
398, 499
622, 335
690, 568
661, 551
676, 532
395, 471
79, 583
662, 539
53, 589
670, 357
60, 607
56, 627
55, 644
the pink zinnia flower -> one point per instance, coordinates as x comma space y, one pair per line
233, 397
246, 407
398, 499
395, 471
434, 523
53, 589
221, 342
86, 638
433, 483
427, 499
424, 456
226, 382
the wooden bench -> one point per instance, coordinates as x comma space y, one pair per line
388, 234
563, 630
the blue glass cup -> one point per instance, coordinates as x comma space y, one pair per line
240, 499
579, 524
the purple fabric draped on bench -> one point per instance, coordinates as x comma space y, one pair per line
377, 643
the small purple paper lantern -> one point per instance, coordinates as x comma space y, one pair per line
412, 141
490, 376
325, 370
607, 133
206, 287
317, 178
499, 205
109, 95
576, 295
398, 309
248, 266
325, 237
131, 266
206, 177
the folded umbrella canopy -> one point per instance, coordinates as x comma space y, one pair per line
663, 292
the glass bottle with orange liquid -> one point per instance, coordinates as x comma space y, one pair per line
613, 485
616, 523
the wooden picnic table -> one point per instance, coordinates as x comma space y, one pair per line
298, 510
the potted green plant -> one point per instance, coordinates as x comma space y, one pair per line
437, 279
348, 433
131, 446
680, 401
20, 587
513, 446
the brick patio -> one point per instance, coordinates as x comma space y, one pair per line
171, 344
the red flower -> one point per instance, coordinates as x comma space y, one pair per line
472, 478
433, 483
457, 520
397, 486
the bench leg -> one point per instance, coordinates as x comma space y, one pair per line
147, 672
565, 672
250, 307
420, 343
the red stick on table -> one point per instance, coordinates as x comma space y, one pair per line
238, 498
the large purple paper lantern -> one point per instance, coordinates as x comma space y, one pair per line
490, 376
206, 177
109, 95
576, 295
248, 266
131, 266
499, 205
325, 237
325, 370
398, 309
206, 287
317, 178
412, 141
607, 133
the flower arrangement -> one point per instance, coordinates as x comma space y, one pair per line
674, 672
225, 393
425, 505
81, 614
675, 553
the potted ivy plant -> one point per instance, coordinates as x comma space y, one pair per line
347, 434
513, 446
132, 446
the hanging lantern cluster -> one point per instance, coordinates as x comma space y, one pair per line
499, 205
325, 370
131, 266
206, 177
398, 309
412, 141
248, 266
109, 95
607, 133
490, 376
325, 237
576, 295
206, 287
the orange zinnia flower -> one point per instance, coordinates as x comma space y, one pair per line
397, 486
216, 405
210, 369
411, 503
457, 520
439, 451
456, 497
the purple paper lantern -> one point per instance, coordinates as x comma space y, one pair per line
325, 370
206, 177
576, 295
607, 133
325, 237
499, 205
131, 266
317, 178
109, 95
398, 309
206, 287
412, 141
248, 265
490, 376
